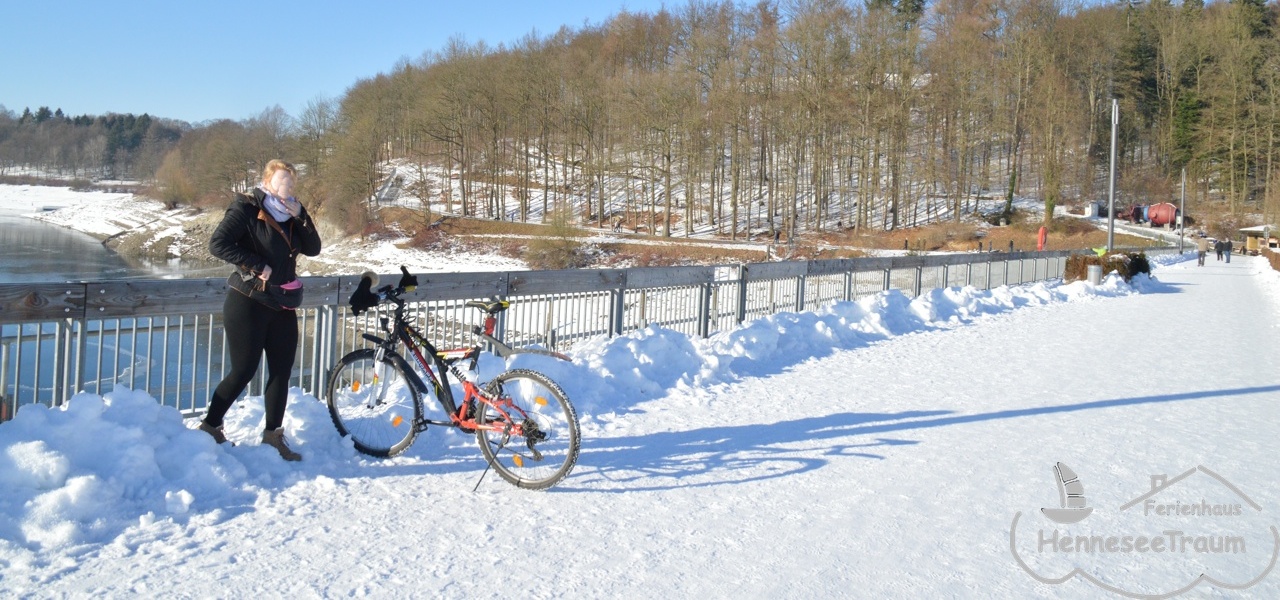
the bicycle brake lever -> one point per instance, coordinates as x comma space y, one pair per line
408, 281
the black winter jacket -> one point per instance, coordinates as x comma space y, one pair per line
246, 239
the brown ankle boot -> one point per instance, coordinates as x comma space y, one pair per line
275, 439
216, 432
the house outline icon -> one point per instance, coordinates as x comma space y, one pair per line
1160, 483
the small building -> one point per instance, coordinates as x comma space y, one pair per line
1258, 237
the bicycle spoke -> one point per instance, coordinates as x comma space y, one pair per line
547, 444
374, 403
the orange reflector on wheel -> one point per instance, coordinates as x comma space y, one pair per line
519, 461
395, 422
355, 385
540, 401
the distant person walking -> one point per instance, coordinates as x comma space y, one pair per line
1202, 248
262, 234
1226, 249
1217, 247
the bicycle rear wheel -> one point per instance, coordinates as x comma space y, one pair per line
530, 402
374, 402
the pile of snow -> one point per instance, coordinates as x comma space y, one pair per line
102, 470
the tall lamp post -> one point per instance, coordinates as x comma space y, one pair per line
1111, 196
1182, 212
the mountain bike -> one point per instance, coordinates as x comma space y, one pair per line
523, 422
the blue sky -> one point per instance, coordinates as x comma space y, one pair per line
202, 60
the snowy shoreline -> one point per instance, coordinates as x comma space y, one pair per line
104, 215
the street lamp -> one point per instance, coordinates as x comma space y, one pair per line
1182, 212
1111, 194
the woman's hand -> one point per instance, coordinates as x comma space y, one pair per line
292, 205
265, 275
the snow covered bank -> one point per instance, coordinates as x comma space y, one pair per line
104, 215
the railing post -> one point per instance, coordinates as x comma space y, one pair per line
848, 286
548, 328
327, 340
741, 309
919, 281
885, 285
643, 320
704, 319
618, 319
800, 280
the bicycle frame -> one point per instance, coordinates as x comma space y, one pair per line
446, 362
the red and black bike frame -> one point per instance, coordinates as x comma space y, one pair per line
446, 361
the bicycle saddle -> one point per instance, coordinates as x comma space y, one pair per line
492, 307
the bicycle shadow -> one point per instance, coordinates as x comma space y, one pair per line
746, 453
702, 457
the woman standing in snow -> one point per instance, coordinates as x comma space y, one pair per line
262, 234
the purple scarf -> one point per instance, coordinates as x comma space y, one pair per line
275, 206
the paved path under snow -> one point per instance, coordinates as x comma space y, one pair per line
893, 470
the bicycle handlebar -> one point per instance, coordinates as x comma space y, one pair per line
365, 298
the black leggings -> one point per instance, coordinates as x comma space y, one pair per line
251, 329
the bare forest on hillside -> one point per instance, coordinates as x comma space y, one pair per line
737, 119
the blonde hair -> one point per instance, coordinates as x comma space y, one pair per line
274, 165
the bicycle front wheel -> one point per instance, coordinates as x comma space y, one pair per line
374, 402
530, 432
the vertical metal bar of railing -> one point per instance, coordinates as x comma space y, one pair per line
61, 362
17, 375
704, 311
78, 329
35, 383
151, 321
195, 360
4, 378
177, 383
133, 353
164, 357
4, 372
102, 349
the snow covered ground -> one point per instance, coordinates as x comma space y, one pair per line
891, 447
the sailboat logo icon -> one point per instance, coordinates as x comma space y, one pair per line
1071, 497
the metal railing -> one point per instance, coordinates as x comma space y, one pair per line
165, 336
